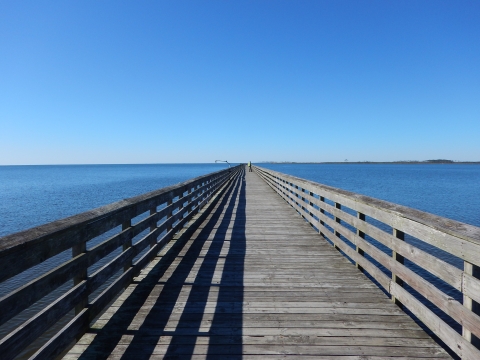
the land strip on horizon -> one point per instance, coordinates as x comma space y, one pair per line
440, 161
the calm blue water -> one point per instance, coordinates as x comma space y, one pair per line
34, 195
448, 190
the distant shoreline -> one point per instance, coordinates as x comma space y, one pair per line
428, 162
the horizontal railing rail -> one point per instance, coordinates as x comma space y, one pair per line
163, 213
343, 223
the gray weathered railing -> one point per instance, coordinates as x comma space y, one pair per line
164, 211
341, 227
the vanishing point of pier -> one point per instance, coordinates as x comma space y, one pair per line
236, 264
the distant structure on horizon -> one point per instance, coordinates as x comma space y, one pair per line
435, 161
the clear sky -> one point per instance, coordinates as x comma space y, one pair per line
195, 81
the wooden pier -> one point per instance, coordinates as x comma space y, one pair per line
234, 272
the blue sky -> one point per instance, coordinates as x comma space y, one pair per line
195, 81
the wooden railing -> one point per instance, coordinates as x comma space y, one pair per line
164, 211
340, 216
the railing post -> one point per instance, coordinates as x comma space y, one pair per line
400, 235
361, 234
205, 190
153, 241
471, 304
169, 214
198, 197
310, 203
127, 244
302, 199
189, 205
322, 199
209, 187
297, 201
467, 301
180, 197
297, 196
82, 274
337, 234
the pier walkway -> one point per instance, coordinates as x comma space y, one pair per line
249, 278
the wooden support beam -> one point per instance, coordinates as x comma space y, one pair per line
471, 304
361, 234
322, 199
78, 249
400, 235
169, 214
127, 244
337, 220
153, 241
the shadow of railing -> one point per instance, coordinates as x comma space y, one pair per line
227, 326
226, 322
141, 343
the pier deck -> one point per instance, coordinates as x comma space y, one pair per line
253, 281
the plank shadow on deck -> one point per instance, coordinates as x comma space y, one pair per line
253, 281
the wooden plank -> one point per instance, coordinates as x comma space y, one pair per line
17, 340
105, 272
21, 298
58, 343
454, 340
103, 249
274, 339
102, 300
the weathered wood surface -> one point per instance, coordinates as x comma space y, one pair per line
254, 281
308, 199
164, 212
38, 244
457, 238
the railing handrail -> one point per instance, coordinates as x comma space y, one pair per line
461, 240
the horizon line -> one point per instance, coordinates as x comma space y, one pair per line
437, 161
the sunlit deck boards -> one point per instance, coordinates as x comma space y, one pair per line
254, 281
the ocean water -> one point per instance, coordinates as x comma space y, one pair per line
448, 190
34, 195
